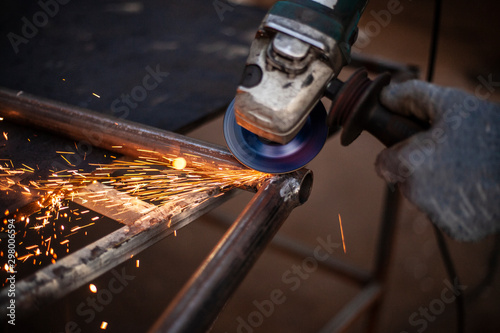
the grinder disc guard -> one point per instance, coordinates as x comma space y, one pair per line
270, 157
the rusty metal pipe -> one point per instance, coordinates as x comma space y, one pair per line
225, 268
71, 272
107, 132
57, 280
198, 304
295, 249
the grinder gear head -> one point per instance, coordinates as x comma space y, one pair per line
299, 47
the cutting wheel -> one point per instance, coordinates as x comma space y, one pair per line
265, 156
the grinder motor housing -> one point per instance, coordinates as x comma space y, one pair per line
300, 46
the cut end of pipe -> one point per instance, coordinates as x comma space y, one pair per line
305, 187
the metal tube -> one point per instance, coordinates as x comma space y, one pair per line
363, 301
198, 304
384, 249
295, 249
57, 280
109, 132
67, 274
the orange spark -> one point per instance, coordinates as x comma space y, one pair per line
104, 325
342, 232
67, 160
30, 168
5, 135
93, 288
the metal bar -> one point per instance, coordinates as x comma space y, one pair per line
386, 233
354, 309
370, 297
118, 206
69, 273
198, 304
348, 272
109, 132
291, 247
135, 140
384, 249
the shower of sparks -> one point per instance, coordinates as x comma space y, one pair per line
64, 158
342, 232
155, 180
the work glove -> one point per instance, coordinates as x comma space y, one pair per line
451, 171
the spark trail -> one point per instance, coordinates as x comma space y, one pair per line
155, 180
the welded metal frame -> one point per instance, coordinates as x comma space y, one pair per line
198, 304
371, 282
203, 297
271, 205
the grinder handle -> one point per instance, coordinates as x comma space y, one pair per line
356, 107
391, 128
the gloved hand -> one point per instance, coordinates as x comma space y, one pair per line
451, 171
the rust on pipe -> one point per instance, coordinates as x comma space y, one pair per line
108, 132
198, 304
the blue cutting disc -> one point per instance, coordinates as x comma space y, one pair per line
265, 156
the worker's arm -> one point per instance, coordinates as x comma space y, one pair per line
451, 171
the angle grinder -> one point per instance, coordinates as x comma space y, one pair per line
276, 123
355, 108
